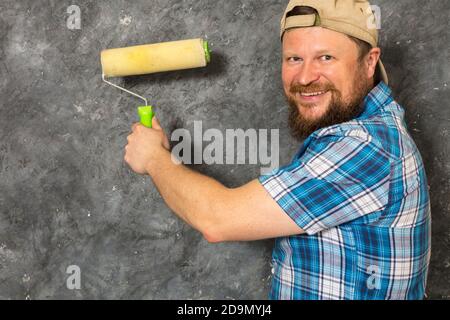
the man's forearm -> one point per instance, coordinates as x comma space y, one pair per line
191, 195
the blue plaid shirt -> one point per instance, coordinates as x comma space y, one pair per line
359, 191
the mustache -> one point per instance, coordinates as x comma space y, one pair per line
311, 88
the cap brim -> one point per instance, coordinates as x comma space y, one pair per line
383, 73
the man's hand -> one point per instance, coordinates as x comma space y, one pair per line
145, 146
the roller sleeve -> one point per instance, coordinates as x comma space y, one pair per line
152, 58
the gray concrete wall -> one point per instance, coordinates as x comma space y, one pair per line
66, 196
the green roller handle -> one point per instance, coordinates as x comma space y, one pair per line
146, 115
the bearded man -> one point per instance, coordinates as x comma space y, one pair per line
351, 212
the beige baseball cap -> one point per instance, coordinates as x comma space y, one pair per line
351, 17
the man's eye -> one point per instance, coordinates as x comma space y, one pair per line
294, 59
326, 58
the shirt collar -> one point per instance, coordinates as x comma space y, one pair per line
379, 96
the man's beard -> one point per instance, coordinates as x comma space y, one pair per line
338, 110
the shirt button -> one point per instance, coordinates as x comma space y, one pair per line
272, 270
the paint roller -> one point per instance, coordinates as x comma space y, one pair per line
152, 58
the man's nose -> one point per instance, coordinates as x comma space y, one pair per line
307, 74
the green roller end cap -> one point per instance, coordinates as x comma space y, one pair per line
207, 51
146, 115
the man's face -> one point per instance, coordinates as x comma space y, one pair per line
323, 79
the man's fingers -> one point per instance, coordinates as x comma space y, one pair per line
166, 143
155, 124
134, 126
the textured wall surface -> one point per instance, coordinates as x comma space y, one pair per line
66, 196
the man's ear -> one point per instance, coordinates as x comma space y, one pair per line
372, 60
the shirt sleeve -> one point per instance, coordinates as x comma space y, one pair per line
339, 178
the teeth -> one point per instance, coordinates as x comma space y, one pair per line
312, 94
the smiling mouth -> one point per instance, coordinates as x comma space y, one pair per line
312, 94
